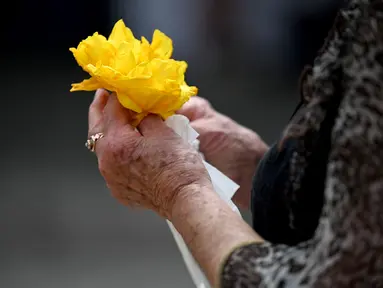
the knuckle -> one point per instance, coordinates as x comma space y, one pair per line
94, 129
92, 106
105, 157
119, 148
113, 151
103, 166
202, 101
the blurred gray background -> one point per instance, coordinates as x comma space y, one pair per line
59, 227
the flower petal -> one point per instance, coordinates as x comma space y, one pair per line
168, 70
162, 45
92, 50
143, 75
90, 84
188, 91
127, 102
141, 71
146, 53
125, 61
120, 33
105, 75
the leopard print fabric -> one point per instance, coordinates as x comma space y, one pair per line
347, 247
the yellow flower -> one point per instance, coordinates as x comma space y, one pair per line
143, 75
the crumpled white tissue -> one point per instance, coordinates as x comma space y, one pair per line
223, 185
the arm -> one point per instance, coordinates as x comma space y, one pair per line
346, 249
210, 228
230, 147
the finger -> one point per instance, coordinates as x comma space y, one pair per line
115, 115
100, 146
153, 125
201, 125
96, 108
195, 108
205, 127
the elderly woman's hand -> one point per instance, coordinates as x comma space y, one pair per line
148, 167
232, 148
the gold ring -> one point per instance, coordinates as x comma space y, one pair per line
92, 140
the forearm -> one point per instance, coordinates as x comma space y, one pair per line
255, 149
210, 228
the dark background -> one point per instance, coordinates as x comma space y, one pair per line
59, 227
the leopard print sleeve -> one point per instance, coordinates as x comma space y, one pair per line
347, 247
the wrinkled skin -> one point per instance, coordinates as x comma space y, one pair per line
230, 147
149, 168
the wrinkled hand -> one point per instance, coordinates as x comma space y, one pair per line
230, 147
150, 167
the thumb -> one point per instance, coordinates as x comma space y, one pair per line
153, 125
202, 126
206, 131
196, 108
